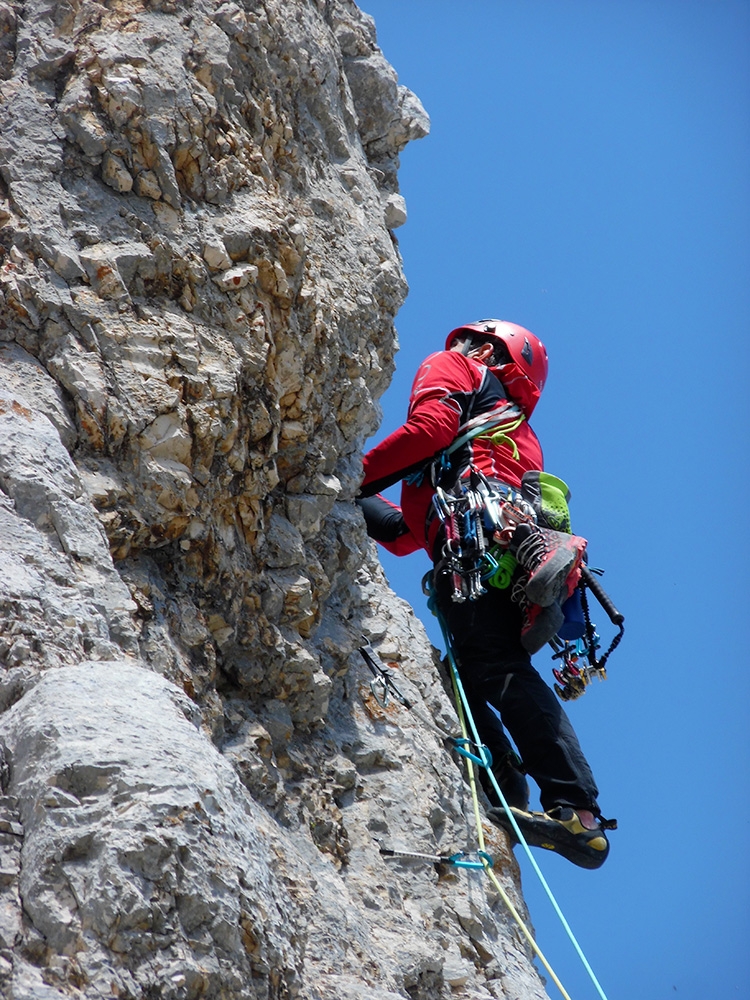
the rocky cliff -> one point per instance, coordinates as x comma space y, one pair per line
198, 282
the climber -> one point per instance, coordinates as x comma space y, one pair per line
467, 435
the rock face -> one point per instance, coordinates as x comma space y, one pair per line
198, 281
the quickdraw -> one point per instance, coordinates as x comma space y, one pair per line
573, 677
458, 860
382, 685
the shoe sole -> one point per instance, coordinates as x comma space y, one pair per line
545, 626
540, 831
545, 585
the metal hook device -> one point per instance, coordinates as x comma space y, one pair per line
458, 860
382, 678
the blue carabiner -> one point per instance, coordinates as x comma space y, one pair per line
460, 744
457, 860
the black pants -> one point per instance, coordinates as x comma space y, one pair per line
501, 684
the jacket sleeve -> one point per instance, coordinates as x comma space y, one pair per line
385, 523
442, 387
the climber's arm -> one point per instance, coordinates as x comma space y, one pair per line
442, 385
385, 523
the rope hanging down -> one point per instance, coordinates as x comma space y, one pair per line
460, 859
384, 681
468, 730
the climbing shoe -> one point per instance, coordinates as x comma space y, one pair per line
552, 560
540, 625
559, 830
512, 782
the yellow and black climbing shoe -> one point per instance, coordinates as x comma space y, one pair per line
559, 830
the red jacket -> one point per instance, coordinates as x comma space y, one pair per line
448, 389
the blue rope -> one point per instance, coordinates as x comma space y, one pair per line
432, 605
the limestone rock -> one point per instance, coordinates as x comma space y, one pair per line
198, 283
22, 375
395, 211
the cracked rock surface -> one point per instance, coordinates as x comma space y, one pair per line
198, 283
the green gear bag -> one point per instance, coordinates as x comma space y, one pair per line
549, 497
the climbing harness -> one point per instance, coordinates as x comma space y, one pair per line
479, 518
473, 512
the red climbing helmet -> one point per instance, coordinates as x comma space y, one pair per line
525, 374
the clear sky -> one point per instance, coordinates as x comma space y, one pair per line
588, 176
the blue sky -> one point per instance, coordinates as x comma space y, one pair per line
588, 176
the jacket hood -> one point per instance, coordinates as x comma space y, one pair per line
519, 386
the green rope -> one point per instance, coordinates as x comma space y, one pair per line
500, 435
